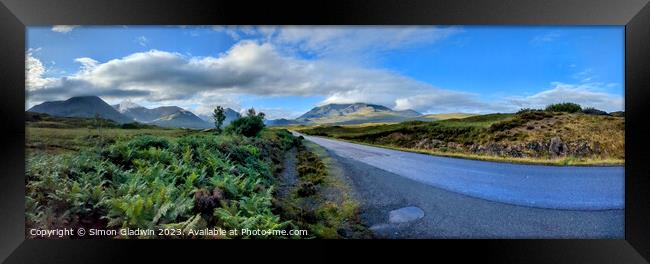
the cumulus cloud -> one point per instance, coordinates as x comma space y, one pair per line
34, 73
585, 94
247, 68
64, 28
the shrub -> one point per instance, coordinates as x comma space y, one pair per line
564, 107
249, 126
593, 111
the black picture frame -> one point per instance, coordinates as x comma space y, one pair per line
15, 15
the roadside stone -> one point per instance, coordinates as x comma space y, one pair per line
557, 147
406, 214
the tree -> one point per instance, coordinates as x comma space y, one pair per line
219, 116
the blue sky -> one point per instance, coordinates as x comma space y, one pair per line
286, 71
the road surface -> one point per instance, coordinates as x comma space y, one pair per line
555, 187
477, 199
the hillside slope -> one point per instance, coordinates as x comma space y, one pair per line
536, 137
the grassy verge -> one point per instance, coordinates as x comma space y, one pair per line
320, 202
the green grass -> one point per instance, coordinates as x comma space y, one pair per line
320, 201
66, 140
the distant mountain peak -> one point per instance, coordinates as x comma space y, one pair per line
81, 106
352, 113
126, 105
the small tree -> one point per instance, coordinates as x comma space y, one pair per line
219, 116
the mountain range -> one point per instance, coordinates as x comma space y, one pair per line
127, 112
174, 116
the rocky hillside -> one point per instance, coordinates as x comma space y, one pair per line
537, 136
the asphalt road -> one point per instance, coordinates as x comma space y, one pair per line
384, 180
554, 187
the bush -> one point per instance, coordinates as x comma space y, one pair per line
593, 111
564, 107
248, 126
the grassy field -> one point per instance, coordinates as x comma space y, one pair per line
62, 140
519, 138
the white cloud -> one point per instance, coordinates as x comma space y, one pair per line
349, 42
142, 41
329, 40
34, 73
64, 28
584, 94
87, 64
586, 75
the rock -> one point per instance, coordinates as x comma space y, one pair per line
494, 149
582, 149
429, 143
404, 215
453, 145
557, 147
477, 149
535, 146
514, 151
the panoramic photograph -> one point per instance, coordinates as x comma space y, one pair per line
324, 132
